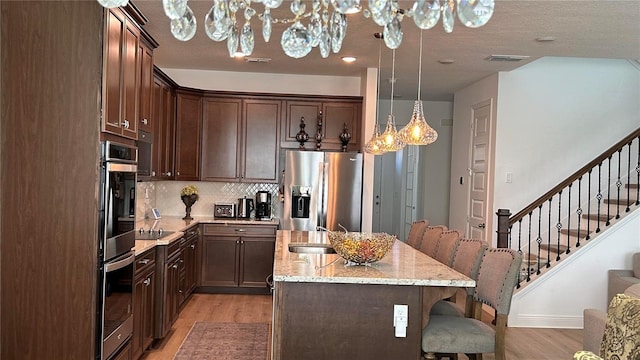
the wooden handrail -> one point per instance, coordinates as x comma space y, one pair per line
575, 176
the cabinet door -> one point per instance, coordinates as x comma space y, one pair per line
163, 118
335, 116
188, 127
148, 313
146, 88
261, 140
295, 111
190, 265
130, 83
219, 260
221, 139
143, 312
172, 274
256, 261
115, 23
138, 316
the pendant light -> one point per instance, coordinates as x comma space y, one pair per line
417, 131
374, 146
390, 139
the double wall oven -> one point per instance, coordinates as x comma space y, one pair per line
114, 325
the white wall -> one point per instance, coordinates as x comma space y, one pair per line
464, 100
266, 83
554, 116
433, 167
558, 301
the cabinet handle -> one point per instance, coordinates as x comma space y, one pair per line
193, 246
147, 281
179, 291
175, 266
125, 124
241, 230
153, 173
177, 173
145, 121
143, 261
168, 173
181, 261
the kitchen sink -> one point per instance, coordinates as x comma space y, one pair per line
311, 248
156, 235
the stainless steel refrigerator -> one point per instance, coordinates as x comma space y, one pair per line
322, 189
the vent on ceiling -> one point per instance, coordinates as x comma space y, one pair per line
258, 60
507, 57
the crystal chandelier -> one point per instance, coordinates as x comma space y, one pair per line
390, 138
326, 21
417, 131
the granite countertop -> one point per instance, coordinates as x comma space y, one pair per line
179, 226
403, 265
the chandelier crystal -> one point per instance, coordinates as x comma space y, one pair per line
324, 26
417, 131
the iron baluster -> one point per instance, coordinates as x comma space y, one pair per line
589, 208
608, 201
568, 223
579, 210
599, 195
539, 238
618, 185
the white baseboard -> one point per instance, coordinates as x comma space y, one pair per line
546, 321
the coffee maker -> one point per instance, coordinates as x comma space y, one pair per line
263, 205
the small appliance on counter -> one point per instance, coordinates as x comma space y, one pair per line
263, 205
245, 207
224, 211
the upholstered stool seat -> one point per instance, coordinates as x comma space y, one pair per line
455, 334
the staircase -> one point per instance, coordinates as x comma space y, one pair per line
574, 212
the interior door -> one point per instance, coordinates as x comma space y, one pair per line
409, 181
478, 171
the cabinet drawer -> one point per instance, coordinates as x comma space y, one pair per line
192, 232
175, 246
145, 261
239, 230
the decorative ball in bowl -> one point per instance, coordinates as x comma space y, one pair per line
361, 247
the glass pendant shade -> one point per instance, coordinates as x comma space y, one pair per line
417, 131
374, 146
390, 139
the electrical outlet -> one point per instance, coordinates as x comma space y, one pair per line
400, 319
508, 177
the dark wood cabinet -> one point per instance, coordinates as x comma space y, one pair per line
237, 256
188, 130
164, 124
240, 139
124, 354
144, 303
146, 88
221, 139
121, 76
167, 286
191, 263
335, 115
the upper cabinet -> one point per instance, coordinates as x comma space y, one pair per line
188, 130
328, 116
240, 139
163, 118
127, 75
120, 105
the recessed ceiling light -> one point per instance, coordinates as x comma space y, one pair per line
546, 39
446, 61
349, 59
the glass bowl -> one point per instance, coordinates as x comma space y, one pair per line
361, 247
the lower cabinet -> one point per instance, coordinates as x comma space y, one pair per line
177, 265
143, 303
237, 257
124, 354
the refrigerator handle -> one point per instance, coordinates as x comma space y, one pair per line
320, 196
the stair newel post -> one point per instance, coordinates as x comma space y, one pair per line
503, 227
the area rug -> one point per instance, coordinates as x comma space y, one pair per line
225, 341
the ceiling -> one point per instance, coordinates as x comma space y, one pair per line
581, 28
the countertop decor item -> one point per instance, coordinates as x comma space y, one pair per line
189, 196
361, 248
302, 136
345, 136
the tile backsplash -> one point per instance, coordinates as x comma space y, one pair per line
165, 196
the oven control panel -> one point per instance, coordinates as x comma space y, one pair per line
224, 210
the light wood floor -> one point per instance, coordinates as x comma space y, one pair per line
522, 343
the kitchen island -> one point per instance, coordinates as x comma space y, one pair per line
324, 309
